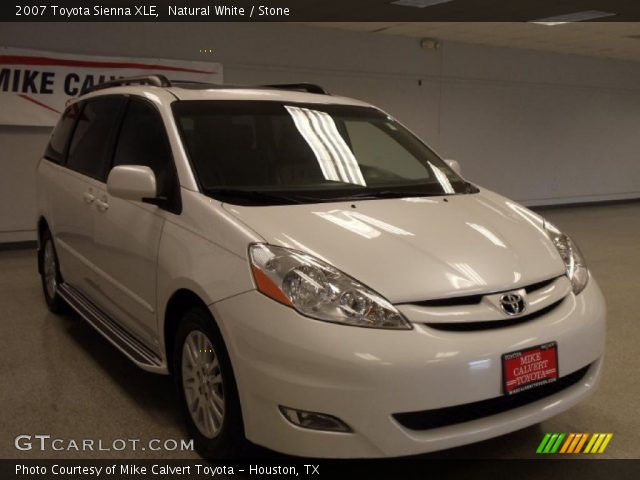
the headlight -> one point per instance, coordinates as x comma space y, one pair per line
318, 290
573, 259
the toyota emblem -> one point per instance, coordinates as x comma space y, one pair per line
512, 304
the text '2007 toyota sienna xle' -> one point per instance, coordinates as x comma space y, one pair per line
316, 279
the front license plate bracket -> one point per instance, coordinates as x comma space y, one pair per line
529, 368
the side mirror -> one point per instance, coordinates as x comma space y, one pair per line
453, 165
132, 182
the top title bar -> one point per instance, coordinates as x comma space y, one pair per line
311, 11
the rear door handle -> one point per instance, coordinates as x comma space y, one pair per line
88, 197
102, 205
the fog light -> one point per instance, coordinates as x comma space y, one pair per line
314, 420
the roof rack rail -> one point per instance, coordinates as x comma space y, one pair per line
162, 81
305, 87
155, 80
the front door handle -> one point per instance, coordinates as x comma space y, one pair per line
102, 205
88, 197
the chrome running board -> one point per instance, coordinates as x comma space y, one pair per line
131, 347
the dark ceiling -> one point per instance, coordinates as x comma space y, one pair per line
357, 10
459, 10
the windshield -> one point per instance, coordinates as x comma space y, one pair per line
263, 153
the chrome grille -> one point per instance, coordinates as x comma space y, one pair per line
482, 311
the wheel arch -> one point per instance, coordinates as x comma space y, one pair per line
180, 301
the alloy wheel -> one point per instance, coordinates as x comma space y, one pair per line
203, 384
50, 269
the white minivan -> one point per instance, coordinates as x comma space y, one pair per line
316, 279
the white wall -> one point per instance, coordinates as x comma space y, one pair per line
538, 127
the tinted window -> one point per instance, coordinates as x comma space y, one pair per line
90, 146
143, 141
271, 152
60, 136
382, 153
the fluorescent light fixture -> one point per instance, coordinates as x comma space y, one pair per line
419, 3
573, 17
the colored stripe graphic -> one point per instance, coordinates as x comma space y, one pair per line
583, 439
547, 448
606, 441
592, 441
543, 443
596, 446
26, 97
567, 442
555, 447
550, 443
573, 443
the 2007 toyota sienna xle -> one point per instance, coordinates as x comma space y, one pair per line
317, 280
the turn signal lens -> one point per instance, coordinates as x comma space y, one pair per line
268, 287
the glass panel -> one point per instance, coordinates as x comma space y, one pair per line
270, 152
142, 141
91, 143
60, 136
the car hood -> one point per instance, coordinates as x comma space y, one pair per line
415, 249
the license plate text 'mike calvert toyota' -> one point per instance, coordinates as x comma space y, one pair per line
530, 368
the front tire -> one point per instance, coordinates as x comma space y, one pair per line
207, 388
50, 275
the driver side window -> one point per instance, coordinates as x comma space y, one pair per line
143, 141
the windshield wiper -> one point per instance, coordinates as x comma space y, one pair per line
265, 196
258, 195
372, 195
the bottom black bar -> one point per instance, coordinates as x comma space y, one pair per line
406, 468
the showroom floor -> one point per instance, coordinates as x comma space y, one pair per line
61, 378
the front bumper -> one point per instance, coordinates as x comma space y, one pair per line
364, 376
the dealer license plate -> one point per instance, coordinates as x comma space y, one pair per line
529, 368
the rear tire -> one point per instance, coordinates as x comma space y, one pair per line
206, 387
50, 275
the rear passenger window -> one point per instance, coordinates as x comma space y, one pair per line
60, 136
143, 141
90, 146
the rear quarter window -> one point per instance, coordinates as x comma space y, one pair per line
56, 149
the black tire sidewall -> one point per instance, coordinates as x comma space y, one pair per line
55, 303
230, 442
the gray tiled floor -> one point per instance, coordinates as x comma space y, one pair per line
59, 377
